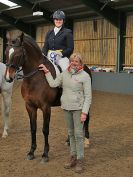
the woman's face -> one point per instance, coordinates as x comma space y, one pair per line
75, 62
58, 22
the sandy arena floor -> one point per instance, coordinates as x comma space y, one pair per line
109, 155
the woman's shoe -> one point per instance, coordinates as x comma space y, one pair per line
71, 163
79, 166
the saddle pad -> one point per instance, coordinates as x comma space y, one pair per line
55, 67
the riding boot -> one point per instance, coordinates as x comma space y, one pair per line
79, 166
71, 163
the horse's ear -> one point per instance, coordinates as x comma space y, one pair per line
8, 36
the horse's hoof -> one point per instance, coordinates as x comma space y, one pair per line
67, 143
44, 160
30, 156
86, 143
4, 135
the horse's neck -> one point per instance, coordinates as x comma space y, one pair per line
32, 60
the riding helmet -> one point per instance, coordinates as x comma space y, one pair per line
59, 14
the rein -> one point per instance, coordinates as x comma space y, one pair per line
20, 76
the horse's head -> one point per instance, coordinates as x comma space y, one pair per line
15, 54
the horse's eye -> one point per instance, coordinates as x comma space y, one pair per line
13, 42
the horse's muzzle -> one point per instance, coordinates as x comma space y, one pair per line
9, 79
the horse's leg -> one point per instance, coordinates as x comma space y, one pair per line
45, 130
33, 125
86, 130
6, 104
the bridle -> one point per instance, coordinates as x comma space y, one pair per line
23, 56
20, 76
20, 63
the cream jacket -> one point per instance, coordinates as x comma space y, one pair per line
77, 93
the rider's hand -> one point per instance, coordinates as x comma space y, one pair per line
83, 117
58, 57
43, 68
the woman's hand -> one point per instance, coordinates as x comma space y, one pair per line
43, 68
83, 117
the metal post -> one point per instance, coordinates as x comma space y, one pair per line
121, 31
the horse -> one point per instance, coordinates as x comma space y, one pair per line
36, 92
6, 93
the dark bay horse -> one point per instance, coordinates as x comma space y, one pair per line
24, 52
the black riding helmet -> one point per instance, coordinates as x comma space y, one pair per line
59, 14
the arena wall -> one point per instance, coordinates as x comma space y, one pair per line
113, 82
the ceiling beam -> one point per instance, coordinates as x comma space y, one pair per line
75, 7
40, 1
80, 14
107, 12
24, 3
127, 8
26, 28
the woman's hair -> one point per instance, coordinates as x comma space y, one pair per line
77, 56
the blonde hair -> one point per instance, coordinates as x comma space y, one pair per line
77, 56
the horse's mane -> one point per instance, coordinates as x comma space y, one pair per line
32, 42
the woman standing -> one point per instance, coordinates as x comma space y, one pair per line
59, 43
75, 102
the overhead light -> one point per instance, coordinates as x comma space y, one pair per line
37, 10
38, 13
8, 3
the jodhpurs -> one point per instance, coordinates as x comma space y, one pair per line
75, 132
